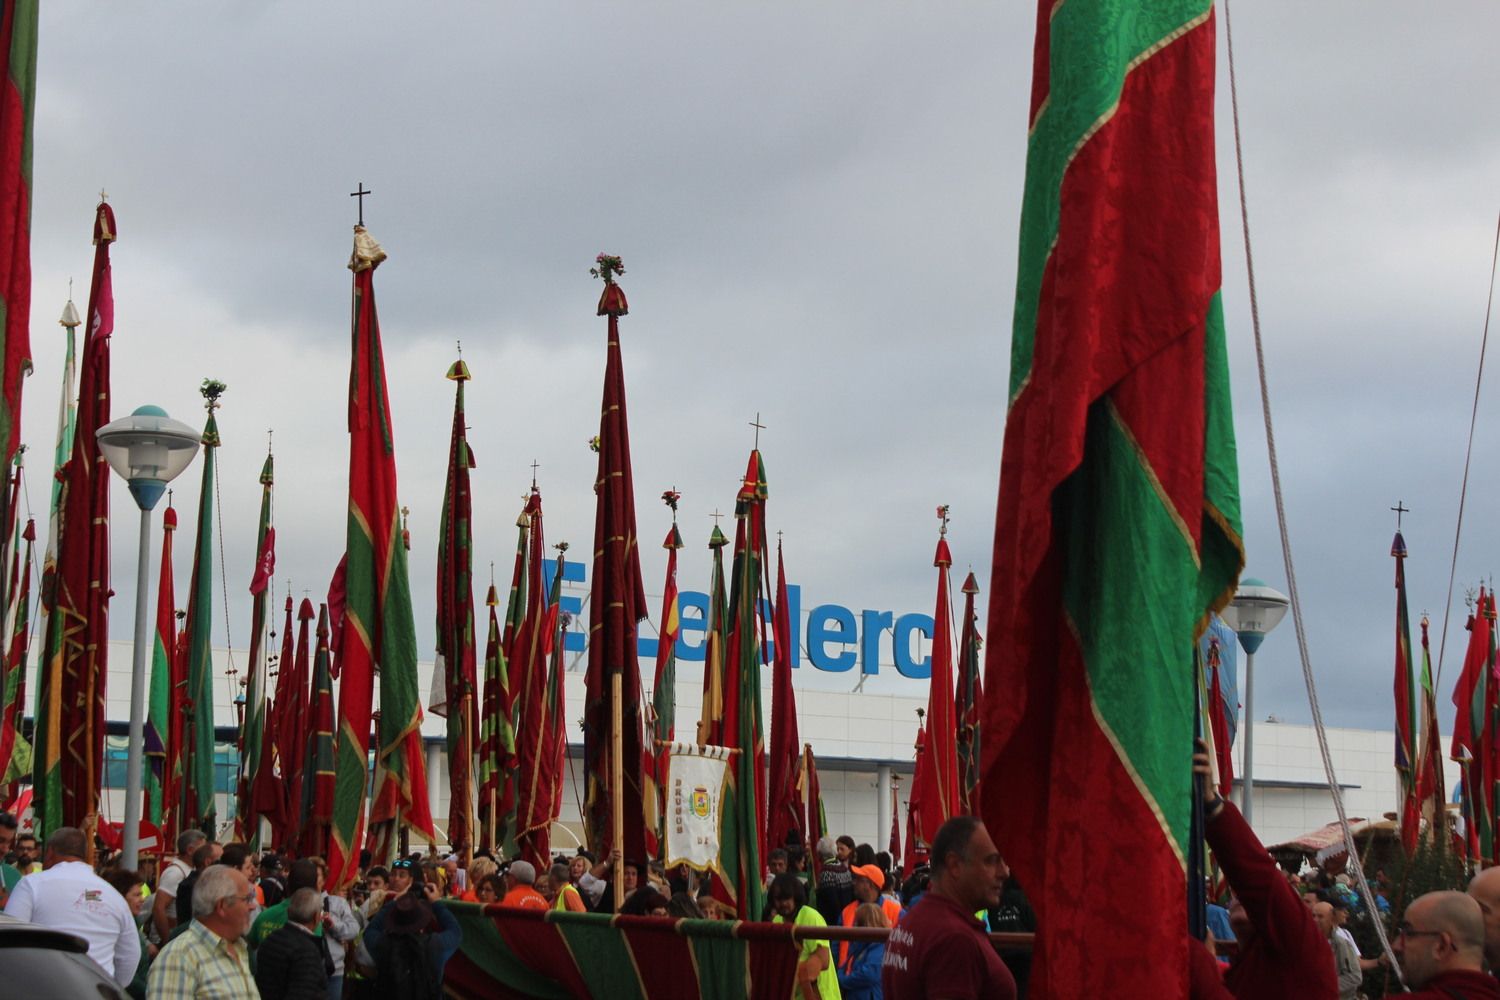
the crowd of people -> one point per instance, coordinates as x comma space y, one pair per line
223, 921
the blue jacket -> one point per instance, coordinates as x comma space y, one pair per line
860, 978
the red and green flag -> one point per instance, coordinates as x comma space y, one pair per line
1430, 799
198, 807
784, 811
742, 833
968, 704
711, 721
289, 733
614, 811
18, 24
538, 712
15, 752
379, 633
68, 749
497, 740
1406, 711
163, 735
454, 682
817, 820
937, 766
253, 742
1118, 490
1470, 746
663, 694
317, 768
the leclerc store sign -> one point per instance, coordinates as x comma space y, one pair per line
837, 640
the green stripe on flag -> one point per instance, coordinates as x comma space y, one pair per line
486, 948
601, 955
1094, 44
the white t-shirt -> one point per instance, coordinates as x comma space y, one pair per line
70, 897
172, 876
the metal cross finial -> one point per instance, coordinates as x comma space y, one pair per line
534, 467
1400, 509
169, 498
716, 515
360, 194
758, 428
270, 433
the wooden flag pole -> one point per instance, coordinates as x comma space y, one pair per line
617, 783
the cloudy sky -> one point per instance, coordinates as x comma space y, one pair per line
817, 206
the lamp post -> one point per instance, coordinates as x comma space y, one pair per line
148, 449
1254, 612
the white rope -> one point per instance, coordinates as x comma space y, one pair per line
1286, 544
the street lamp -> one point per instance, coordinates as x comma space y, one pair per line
148, 449
1254, 612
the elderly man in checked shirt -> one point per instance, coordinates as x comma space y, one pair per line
209, 959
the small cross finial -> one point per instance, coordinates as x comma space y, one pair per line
270, 433
1400, 509
534, 467
758, 428
716, 515
360, 194
169, 498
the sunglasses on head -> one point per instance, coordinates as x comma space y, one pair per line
404, 865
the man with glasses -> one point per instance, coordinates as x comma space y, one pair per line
210, 959
1440, 945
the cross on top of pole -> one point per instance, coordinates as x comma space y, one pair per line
360, 194
534, 466
758, 428
716, 515
1400, 509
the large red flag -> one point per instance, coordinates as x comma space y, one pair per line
612, 731
1118, 491
69, 746
784, 814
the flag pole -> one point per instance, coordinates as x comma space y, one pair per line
617, 779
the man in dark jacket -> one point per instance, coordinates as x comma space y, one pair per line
290, 963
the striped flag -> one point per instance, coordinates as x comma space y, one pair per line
783, 808
164, 715
253, 742
453, 680
68, 748
968, 704
497, 740
317, 767
535, 779
612, 762
1406, 709
198, 806
15, 752
1118, 490
1471, 731
663, 697
379, 635
711, 722
742, 847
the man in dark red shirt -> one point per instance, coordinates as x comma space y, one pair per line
1441, 948
940, 951
1281, 951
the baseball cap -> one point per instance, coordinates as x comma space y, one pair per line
870, 872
